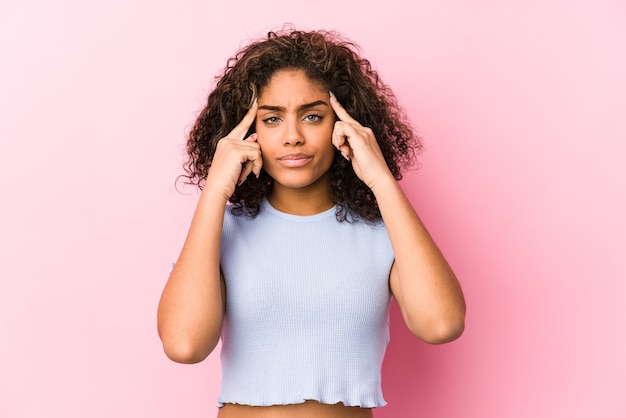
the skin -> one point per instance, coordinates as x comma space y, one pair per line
295, 141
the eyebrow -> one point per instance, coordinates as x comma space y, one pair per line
302, 107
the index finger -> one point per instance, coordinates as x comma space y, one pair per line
340, 111
240, 131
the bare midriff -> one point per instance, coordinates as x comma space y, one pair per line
308, 409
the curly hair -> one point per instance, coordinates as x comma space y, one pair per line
324, 57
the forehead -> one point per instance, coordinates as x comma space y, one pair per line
291, 81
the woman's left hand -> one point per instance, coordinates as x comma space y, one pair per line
358, 144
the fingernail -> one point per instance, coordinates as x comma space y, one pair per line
241, 181
345, 156
332, 95
254, 102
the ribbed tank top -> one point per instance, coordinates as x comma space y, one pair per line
307, 309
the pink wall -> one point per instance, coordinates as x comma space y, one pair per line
523, 186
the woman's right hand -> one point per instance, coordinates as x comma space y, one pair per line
235, 157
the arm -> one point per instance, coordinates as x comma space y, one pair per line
423, 284
193, 302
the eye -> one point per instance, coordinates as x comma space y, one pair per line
312, 118
271, 120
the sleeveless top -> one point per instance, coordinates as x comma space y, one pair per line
307, 309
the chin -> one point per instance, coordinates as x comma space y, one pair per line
293, 184
296, 182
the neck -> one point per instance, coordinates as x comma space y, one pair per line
304, 201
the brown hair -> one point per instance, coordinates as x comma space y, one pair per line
324, 57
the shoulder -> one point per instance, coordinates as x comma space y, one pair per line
239, 221
376, 226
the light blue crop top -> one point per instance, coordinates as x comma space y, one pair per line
307, 309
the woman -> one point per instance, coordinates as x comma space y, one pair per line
302, 234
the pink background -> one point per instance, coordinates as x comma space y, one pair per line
523, 186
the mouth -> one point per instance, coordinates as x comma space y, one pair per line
295, 160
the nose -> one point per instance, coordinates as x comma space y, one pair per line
293, 133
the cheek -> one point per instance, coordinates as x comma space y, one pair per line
329, 136
265, 136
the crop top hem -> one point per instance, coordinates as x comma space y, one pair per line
297, 401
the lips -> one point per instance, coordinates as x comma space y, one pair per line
295, 160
